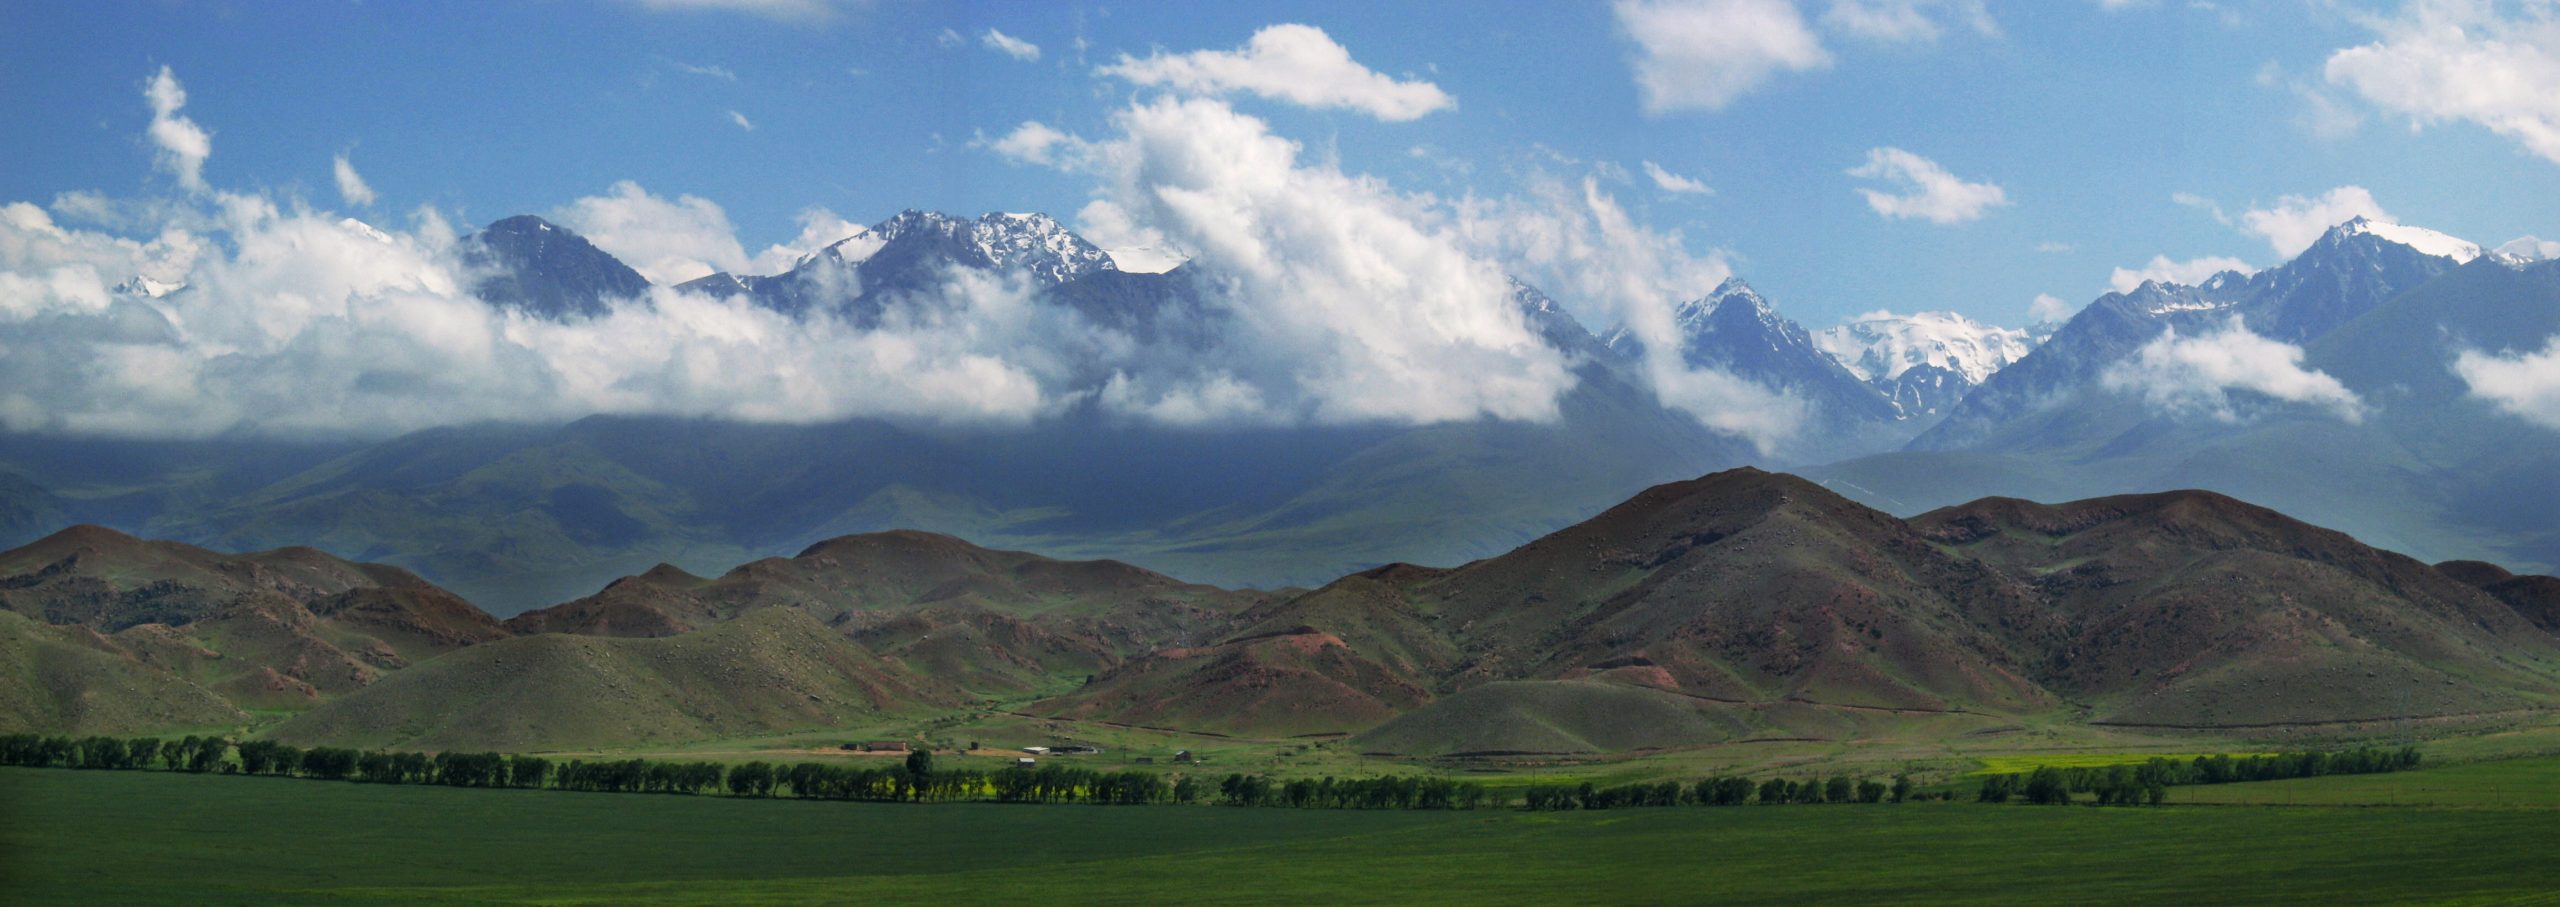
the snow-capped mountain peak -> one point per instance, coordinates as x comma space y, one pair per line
2526, 250
2427, 242
1036, 243
1884, 345
851, 250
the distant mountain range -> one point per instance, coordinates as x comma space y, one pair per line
2401, 453
1739, 605
1904, 413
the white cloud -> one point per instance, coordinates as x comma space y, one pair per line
1674, 183
1702, 54
2466, 60
351, 185
1031, 143
669, 242
801, 11
2191, 272
1299, 64
2526, 386
295, 324
949, 39
2048, 308
1577, 241
1347, 304
1133, 247
708, 71
1906, 21
2295, 222
2184, 376
1929, 193
742, 121
1010, 46
183, 145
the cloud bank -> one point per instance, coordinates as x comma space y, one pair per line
2526, 386
1328, 298
2184, 376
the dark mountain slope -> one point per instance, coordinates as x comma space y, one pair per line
531, 264
2193, 608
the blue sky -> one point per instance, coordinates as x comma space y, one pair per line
2088, 118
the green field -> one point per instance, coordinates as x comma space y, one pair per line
2509, 784
75, 837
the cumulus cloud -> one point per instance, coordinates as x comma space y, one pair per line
1299, 64
669, 242
2191, 272
1354, 308
2294, 222
2185, 376
2490, 64
1133, 246
1010, 46
2047, 308
1907, 21
1031, 143
183, 145
351, 185
2526, 386
1702, 54
1577, 241
1929, 192
1674, 183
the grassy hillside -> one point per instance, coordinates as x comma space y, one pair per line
61, 681
279, 629
771, 670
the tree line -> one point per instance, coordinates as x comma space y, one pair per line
917, 779
2148, 782
1721, 791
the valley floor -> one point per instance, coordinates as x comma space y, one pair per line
74, 837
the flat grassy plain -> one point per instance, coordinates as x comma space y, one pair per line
2506, 784
74, 837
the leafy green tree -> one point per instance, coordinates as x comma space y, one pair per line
1775, 790
1839, 789
1901, 788
1871, 791
2046, 786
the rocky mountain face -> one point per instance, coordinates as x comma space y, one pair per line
528, 263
